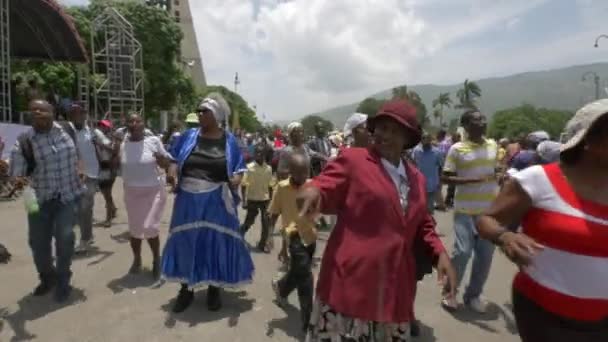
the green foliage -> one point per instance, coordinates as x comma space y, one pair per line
514, 122
247, 118
165, 83
442, 101
468, 94
51, 78
415, 99
369, 106
310, 121
453, 125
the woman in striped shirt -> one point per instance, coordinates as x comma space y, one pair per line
561, 291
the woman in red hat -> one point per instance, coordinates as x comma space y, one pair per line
367, 281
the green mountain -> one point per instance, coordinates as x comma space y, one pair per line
555, 89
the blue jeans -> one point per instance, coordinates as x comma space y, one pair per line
54, 220
466, 243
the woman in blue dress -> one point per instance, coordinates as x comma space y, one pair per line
205, 246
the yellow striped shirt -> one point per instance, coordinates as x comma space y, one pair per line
471, 160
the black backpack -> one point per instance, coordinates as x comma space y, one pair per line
28, 149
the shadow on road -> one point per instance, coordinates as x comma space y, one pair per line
290, 324
131, 282
94, 252
33, 308
123, 237
427, 334
493, 313
234, 304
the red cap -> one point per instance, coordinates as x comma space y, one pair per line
105, 123
405, 114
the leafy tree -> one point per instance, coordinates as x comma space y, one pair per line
468, 94
414, 98
514, 122
310, 121
165, 83
369, 106
238, 106
442, 101
400, 92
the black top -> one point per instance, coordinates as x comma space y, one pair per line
207, 161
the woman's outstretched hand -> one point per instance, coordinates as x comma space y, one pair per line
446, 274
519, 248
309, 201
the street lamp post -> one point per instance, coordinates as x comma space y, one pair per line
596, 81
236, 122
236, 82
597, 40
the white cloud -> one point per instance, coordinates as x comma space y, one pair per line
301, 56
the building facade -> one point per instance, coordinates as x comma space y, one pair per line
190, 59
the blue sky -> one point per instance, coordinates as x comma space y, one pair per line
300, 56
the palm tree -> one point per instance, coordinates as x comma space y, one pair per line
468, 94
443, 100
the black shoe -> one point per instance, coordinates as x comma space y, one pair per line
62, 293
47, 283
183, 300
214, 298
415, 329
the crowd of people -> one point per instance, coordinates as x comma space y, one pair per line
377, 184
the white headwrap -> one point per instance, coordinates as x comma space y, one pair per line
353, 121
293, 125
216, 103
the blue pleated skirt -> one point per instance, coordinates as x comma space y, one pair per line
205, 246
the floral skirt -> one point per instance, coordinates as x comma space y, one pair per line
327, 325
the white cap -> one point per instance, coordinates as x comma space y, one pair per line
577, 128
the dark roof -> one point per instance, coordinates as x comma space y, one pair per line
41, 29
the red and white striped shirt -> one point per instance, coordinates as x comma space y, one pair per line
570, 276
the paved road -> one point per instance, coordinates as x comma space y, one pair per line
109, 305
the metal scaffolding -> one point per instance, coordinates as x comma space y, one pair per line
117, 67
5, 62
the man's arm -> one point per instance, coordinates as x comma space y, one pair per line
450, 170
101, 140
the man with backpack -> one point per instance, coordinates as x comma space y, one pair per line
48, 156
88, 140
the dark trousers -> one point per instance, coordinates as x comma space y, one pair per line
449, 198
535, 324
299, 276
54, 220
253, 208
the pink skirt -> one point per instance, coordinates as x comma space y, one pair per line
145, 207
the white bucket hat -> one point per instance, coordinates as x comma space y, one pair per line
577, 128
353, 121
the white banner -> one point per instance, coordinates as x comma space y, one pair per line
9, 133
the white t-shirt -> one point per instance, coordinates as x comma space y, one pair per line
87, 138
138, 164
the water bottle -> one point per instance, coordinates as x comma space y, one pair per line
30, 200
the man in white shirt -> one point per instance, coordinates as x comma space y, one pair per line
87, 139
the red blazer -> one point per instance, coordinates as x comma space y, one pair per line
368, 269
